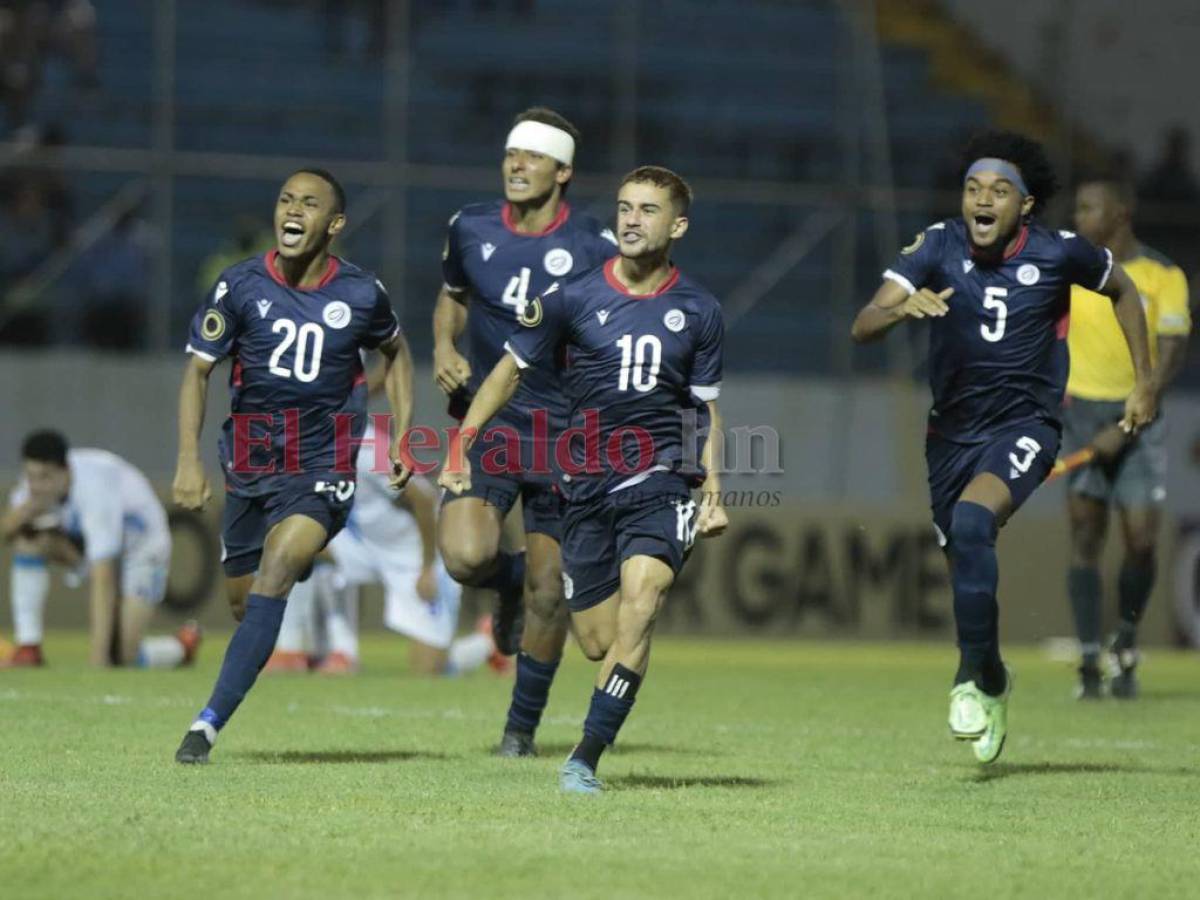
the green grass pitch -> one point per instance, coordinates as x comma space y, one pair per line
748, 769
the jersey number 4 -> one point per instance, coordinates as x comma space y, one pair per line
309, 339
518, 288
640, 362
993, 298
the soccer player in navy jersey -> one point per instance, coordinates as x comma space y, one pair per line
294, 321
995, 286
642, 347
499, 256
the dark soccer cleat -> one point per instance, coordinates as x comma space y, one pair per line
1123, 661
508, 621
515, 744
1091, 684
194, 749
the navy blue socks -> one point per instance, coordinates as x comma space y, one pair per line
248, 651
975, 575
531, 691
609, 708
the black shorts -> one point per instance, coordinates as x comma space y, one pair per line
655, 518
246, 520
1021, 456
499, 478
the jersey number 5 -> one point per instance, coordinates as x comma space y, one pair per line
992, 299
306, 364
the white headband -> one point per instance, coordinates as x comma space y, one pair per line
542, 138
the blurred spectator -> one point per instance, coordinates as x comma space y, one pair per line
1168, 195
32, 31
28, 229
114, 284
251, 237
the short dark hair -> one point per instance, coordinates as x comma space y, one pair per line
339, 194
680, 190
547, 116
1027, 155
1118, 181
45, 446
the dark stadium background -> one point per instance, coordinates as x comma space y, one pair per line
143, 143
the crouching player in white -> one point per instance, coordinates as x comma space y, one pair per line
389, 539
93, 512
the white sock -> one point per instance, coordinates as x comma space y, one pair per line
468, 653
163, 652
341, 620
297, 619
30, 583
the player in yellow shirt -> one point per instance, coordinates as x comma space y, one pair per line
1132, 477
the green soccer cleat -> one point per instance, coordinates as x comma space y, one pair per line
989, 746
968, 716
575, 777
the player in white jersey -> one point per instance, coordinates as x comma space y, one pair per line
96, 514
389, 539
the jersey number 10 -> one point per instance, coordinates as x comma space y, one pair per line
636, 369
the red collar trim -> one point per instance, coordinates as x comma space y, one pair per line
564, 213
613, 282
1022, 239
330, 272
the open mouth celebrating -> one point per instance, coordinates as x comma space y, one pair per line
292, 233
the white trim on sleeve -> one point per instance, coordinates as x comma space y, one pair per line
1107, 269
706, 392
207, 357
452, 289
521, 364
900, 280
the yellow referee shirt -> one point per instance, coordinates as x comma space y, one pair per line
1101, 367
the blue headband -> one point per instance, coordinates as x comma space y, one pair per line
1004, 169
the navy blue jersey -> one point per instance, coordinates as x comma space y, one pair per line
296, 362
503, 269
634, 367
999, 355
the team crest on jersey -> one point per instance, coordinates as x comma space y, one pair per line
531, 315
220, 292
915, 245
213, 325
336, 314
675, 320
558, 261
1028, 274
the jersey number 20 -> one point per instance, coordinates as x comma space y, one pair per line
993, 299
306, 364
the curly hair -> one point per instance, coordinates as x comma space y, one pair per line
1027, 155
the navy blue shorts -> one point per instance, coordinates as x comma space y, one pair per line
499, 478
245, 520
1021, 456
655, 518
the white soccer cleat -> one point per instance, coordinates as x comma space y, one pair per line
968, 715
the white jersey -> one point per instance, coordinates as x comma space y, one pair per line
376, 519
111, 505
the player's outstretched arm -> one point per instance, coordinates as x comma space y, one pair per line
497, 389
1142, 404
451, 370
190, 489
712, 519
891, 304
398, 382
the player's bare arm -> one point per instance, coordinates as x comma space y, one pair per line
1142, 405
712, 519
190, 488
1172, 351
398, 382
892, 303
451, 370
497, 389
